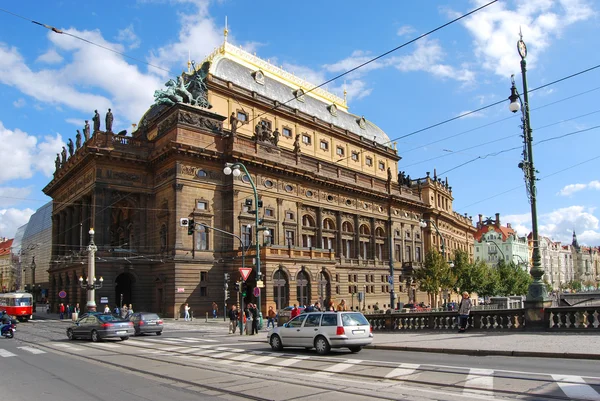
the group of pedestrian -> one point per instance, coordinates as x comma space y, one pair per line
251, 318
68, 311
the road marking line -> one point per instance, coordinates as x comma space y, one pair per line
404, 369
32, 350
70, 347
162, 341
192, 339
337, 368
287, 362
105, 345
205, 351
241, 357
482, 379
577, 388
6, 354
262, 359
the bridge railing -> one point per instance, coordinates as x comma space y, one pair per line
556, 319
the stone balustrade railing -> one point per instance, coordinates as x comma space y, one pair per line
557, 319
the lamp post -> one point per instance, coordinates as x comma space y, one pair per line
423, 224
497, 246
243, 261
537, 292
234, 168
91, 285
32, 267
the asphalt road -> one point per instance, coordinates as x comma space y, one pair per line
207, 363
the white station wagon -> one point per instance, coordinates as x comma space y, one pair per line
323, 331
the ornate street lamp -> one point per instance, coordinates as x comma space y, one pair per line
236, 169
91, 286
423, 224
537, 291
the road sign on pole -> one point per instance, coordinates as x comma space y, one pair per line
256, 291
245, 272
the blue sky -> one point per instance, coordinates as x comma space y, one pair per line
51, 83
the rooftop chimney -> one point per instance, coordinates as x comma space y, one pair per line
498, 219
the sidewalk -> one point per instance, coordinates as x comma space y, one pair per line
540, 344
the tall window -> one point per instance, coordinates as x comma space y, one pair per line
201, 238
289, 238
246, 235
408, 254
418, 253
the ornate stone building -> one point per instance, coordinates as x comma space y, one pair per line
493, 242
338, 215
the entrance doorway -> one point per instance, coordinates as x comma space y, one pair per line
123, 289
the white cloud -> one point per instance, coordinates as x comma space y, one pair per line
11, 219
50, 57
570, 189
20, 102
197, 34
405, 30
495, 30
76, 122
127, 35
26, 155
357, 58
10, 196
559, 224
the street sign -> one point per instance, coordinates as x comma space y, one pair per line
180, 289
256, 292
260, 283
62, 294
103, 300
245, 272
361, 296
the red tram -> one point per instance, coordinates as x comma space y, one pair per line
17, 304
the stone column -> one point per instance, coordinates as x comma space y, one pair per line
372, 239
61, 233
319, 227
338, 238
55, 231
68, 230
356, 237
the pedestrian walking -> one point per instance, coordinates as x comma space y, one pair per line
254, 312
61, 310
342, 305
271, 317
106, 309
317, 306
124, 311
215, 308
248, 316
75, 314
233, 319
47, 307
295, 312
464, 309
186, 312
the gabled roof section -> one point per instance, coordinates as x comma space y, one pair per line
5, 247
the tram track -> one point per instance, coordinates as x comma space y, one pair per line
186, 360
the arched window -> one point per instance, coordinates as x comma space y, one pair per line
201, 237
281, 289
328, 224
347, 227
303, 288
308, 221
364, 230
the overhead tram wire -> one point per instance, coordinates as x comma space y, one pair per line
56, 30
521, 186
453, 152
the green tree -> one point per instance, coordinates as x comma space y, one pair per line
491, 284
575, 285
469, 276
512, 279
434, 276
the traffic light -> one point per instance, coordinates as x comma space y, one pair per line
191, 226
226, 277
244, 289
226, 287
236, 287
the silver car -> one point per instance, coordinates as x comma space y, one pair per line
323, 331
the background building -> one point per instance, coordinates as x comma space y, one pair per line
494, 242
338, 215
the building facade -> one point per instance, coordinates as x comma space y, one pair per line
339, 218
7, 274
494, 242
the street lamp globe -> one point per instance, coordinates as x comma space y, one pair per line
91, 232
236, 172
423, 223
80, 279
267, 232
514, 106
227, 170
101, 280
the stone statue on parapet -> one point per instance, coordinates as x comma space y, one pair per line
86, 131
401, 179
57, 162
188, 88
408, 181
78, 140
276, 135
96, 121
109, 121
233, 123
70, 145
389, 175
64, 156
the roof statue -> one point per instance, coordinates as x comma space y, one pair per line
187, 88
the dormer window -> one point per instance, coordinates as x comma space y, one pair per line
332, 110
362, 123
299, 94
259, 77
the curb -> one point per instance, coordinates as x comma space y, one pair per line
483, 352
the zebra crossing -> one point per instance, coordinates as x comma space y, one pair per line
27, 350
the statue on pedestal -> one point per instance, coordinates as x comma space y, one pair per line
86, 131
78, 140
275, 139
64, 156
70, 145
297, 144
233, 123
57, 162
109, 121
96, 121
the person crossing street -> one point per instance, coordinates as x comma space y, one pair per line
233, 319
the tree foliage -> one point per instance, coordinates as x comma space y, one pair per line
512, 279
434, 276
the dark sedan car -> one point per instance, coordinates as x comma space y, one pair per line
146, 322
99, 326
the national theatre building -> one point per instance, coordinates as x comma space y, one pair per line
335, 217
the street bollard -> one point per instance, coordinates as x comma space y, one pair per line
191, 315
206, 319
